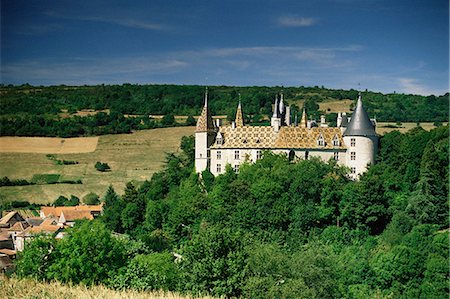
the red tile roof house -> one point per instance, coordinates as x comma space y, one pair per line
68, 218
95, 210
48, 227
10, 219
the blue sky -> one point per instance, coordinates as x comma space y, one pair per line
385, 46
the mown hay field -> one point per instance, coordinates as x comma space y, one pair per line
132, 157
48, 145
28, 288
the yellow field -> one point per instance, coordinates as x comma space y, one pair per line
335, 106
132, 157
48, 145
403, 128
28, 288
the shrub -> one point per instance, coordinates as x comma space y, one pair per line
102, 166
153, 271
91, 199
45, 178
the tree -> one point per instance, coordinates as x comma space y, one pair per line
112, 210
91, 199
35, 260
190, 121
60, 201
215, 261
168, 120
155, 271
88, 254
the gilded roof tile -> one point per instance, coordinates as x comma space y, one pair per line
205, 121
288, 137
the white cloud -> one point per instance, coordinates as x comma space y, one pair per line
290, 21
121, 21
412, 86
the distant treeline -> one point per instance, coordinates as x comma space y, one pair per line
35, 110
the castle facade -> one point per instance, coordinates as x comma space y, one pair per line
353, 142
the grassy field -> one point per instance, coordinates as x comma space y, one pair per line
28, 288
131, 157
48, 145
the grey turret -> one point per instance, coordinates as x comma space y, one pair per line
360, 123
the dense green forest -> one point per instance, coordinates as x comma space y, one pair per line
276, 229
37, 110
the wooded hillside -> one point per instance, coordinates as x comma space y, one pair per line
276, 229
52, 111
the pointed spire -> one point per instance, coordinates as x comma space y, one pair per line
205, 122
281, 106
275, 108
239, 115
304, 120
360, 124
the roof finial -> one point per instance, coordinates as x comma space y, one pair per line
206, 96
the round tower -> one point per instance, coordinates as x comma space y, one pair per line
361, 141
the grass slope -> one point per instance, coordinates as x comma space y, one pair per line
28, 288
132, 157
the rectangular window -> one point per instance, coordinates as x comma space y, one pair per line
320, 142
258, 154
336, 156
236, 155
352, 141
236, 168
353, 170
219, 168
352, 156
336, 142
219, 155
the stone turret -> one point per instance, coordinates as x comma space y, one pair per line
205, 134
361, 140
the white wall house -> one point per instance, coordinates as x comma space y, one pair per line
352, 143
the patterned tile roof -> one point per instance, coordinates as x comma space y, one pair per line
205, 121
288, 137
239, 116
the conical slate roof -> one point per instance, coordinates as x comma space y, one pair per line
360, 124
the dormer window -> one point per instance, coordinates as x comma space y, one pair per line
244, 141
336, 141
219, 139
320, 141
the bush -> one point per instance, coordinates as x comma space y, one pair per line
91, 199
102, 167
45, 178
155, 271
62, 201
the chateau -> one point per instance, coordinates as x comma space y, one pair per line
352, 143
